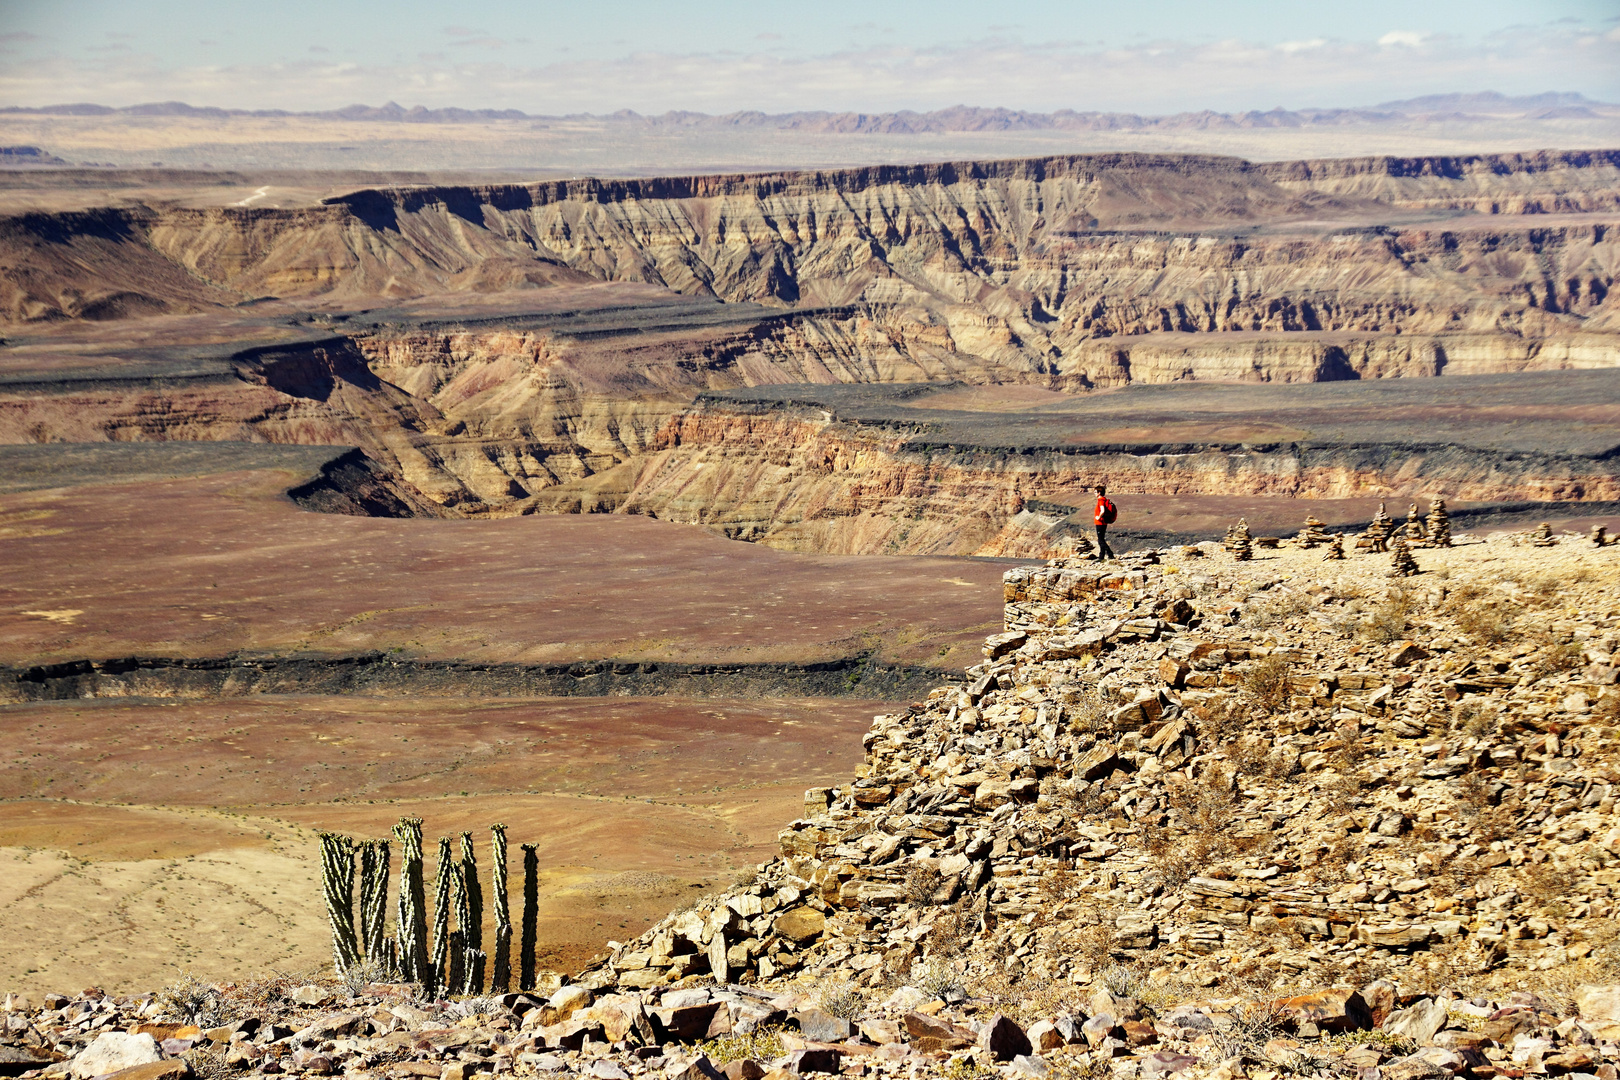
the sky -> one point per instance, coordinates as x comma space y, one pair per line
552, 57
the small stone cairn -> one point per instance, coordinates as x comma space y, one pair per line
1312, 534
1238, 542
1377, 534
1335, 551
1073, 546
1402, 564
1543, 536
1600, 536
1439, 523
1413, 529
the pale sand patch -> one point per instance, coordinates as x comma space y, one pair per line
68, 922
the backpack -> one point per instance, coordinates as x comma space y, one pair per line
1109, 512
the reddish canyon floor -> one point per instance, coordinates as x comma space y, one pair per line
205, 566
143, 837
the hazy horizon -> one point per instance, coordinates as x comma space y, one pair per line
549, 58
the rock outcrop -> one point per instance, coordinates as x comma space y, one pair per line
1190, 816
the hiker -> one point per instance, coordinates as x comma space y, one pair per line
1104, 516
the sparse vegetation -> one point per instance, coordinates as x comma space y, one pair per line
1275, 606
1388, 621
189, 1000
1266, 682
1482, 614
761, 1044
922, 883
838, 997
940, 977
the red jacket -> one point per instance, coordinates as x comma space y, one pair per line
1105, 513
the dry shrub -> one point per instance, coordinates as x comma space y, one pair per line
1344, 792
1472, 794
1557, 656
1086, 710
1276, 606
1225, 718
1250, 755
1349, 757
1266, 682
1455, 875
1204, 809
1546, 886
1058, 885
761, 1044
940, 977
1387, 622
1070, 1067
1475, 718
1498, 822
189, 1000
1090, 945
953, 930
1481, 614
840, 998
1254, 1024
1172, 863
922, 882
1541, 589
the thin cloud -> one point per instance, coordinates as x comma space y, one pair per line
1156, 76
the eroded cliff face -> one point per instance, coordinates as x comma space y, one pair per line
1022, 265
801, 483
1072, 274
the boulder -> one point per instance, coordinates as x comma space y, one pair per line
566, 1002
114, 1051
800, 924
1165, 1063
1338, 1009
1420, 1021
1004, 1039
1044, 1035
932, 1036
819, 1026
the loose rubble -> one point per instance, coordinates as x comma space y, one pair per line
1189, 816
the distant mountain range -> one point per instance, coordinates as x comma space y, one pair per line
960, 118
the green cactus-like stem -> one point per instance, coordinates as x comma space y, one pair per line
337, 879
374, 859
472, 926
500, 979
412, 928
531, 917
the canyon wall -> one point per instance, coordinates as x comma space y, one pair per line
1071, 274
1022, 264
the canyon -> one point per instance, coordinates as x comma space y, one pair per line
576, 346
462, 459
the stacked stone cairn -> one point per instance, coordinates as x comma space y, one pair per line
1402, 564
1543, 536
1238, 542
1312, 534
1183, 820
1335, 551
1439, 523
1376, 537
1413, 530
